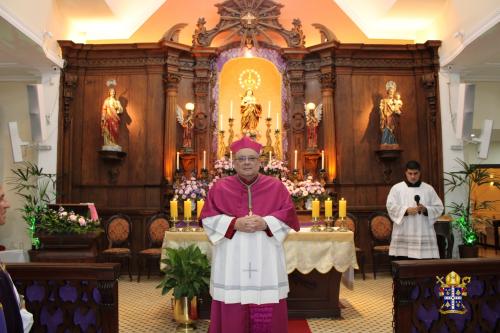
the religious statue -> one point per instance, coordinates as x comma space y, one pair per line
199, 36
390, 109
187, 122
313, 117
110, 119
251, 112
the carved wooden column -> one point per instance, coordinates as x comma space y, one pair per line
70, 82
296, 115
171, 82
327, 93
202, 116
434, 146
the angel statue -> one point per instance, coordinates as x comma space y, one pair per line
390, 110
313, 117
110, 119
187, 123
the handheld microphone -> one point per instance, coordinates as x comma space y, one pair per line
417, 200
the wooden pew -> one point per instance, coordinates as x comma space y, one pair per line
74, 297
417, 301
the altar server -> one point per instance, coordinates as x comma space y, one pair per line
247, 217
414, 207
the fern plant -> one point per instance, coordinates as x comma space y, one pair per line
187, 272
37, 188
465, 178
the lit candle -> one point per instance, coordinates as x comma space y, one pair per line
173, 209
328, 208
199, 207
204, 159
231, 159
177, 161
269, 110
315, 208
187, 209
277, 121
231, 110
342, 207
322, 160
295, 160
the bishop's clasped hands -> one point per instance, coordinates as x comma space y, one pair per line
250, 223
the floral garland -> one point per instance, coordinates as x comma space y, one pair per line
63, 222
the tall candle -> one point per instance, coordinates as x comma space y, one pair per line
231, 159
342, 207
295, 160
270, 156
277, 121
187, 209
328, 208
204, 159
173, 209
199, 207
322, 160
177, 161
315, 208
269, 109
221, 127
231, 110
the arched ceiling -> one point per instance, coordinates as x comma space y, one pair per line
351, 21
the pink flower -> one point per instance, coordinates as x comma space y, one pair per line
82, 221
73, 217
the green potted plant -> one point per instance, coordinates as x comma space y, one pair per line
37, 188
187, 273
466, 178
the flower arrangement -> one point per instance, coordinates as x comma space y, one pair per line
223, 167
309, 189
190, 189
62, 222
276, 168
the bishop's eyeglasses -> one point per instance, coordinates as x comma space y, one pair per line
251, 159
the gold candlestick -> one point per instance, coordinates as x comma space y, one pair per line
328, 224
277, 144
342, 226
315, 227
268, 133
188, 227
222, 148
230, 132
174, 228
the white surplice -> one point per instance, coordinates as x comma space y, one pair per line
413, 235
259, 275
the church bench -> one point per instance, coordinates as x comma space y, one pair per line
69, 297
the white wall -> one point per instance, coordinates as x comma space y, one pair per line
14, 107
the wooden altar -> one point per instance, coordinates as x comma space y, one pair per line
156, 80
314, 275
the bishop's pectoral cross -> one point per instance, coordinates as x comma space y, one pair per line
249, 270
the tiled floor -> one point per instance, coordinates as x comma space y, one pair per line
368, 308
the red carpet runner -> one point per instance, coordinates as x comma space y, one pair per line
298, 326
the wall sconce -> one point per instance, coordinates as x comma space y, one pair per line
190, 106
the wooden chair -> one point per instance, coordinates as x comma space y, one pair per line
118, 232
380, 226
351, 223
155, 231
